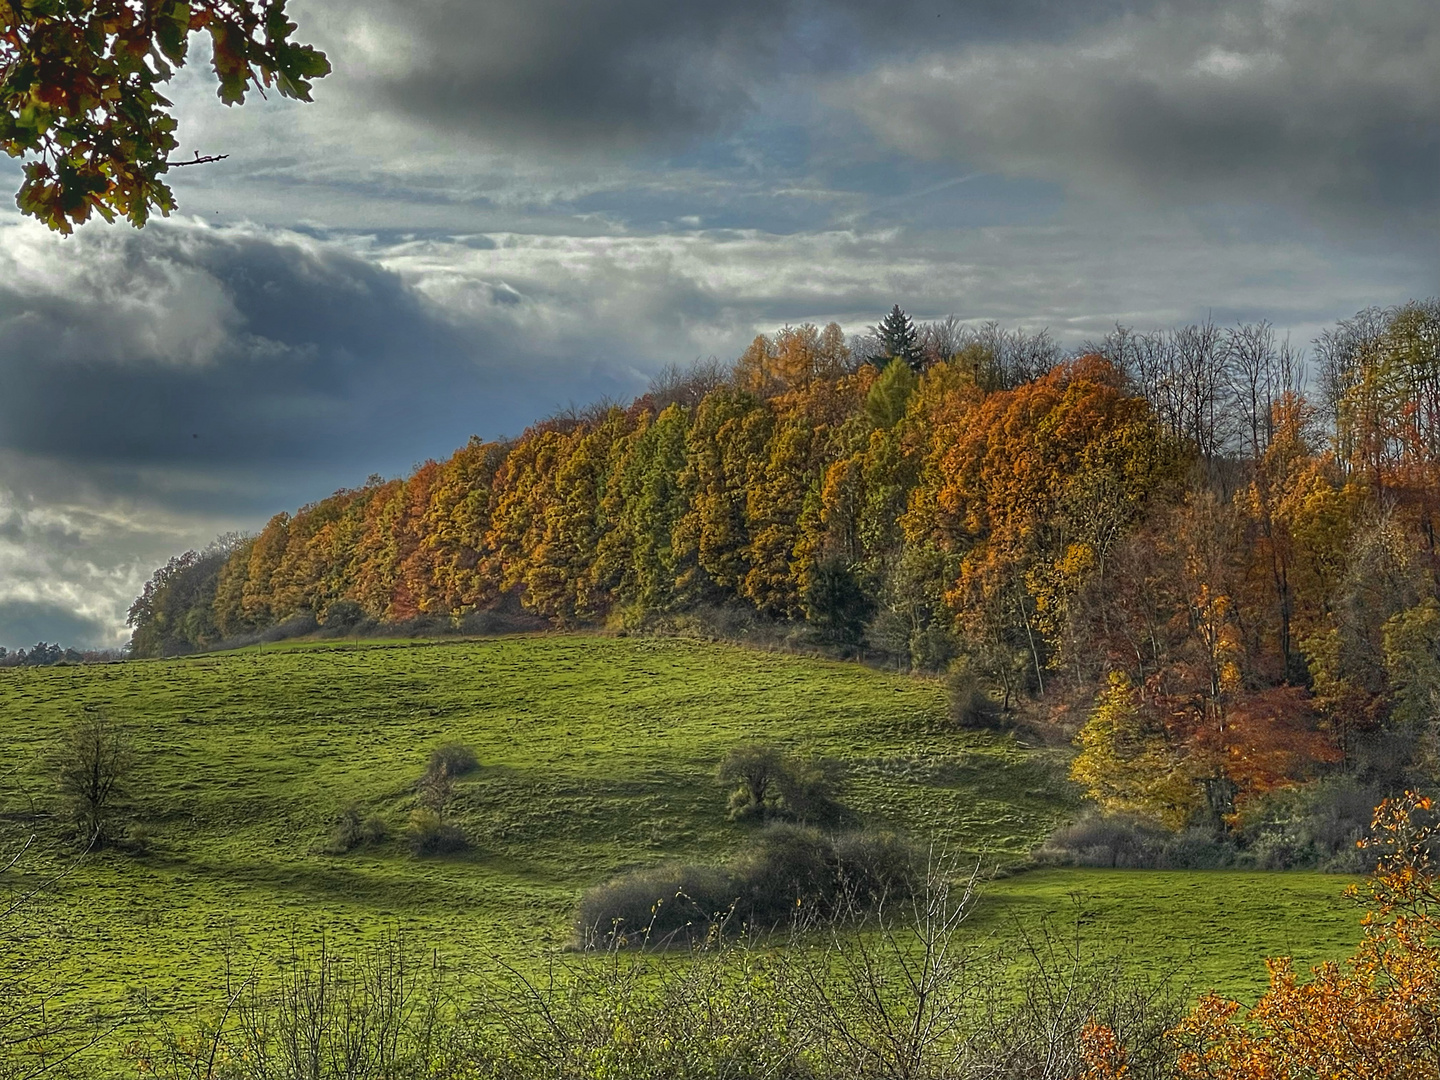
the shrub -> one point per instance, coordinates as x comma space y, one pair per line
1131, 844
807, 789
792, 872
436, 787
456, 758
342, 615
971, 706
374, 830
791, 868
429, 834
1319, 825
346, 835
755, 769
770, 784
383, 1012
1102, 841
351, 830
875, 867
657, 906
138, 838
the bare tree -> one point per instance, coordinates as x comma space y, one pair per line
1202, 383
1121, 347
94, 760
1253, 364
685, 386
939, 341
1343, 352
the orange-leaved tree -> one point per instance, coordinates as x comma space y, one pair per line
1374, 1017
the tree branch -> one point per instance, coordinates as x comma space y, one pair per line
198, 160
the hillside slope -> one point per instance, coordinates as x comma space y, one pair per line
597, 754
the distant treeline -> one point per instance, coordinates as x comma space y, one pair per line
1227, 574
45, 653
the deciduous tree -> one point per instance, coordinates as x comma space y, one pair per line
80, 87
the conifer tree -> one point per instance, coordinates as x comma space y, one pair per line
899, 339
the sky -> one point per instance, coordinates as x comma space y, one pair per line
497, 208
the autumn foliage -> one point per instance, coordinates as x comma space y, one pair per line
1160, 546
81, 100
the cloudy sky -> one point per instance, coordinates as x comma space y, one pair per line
495, 208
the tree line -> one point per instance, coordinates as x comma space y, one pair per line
45, 654
1222, 574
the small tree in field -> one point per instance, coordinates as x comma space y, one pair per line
755, 769
95, 758
771, 784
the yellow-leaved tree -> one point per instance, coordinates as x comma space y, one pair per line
1126, 762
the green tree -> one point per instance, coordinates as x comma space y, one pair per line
559, 575
80, 84
635, 559
725, 450
890, 394
834, 602
755, 770
1412, 661
456, 521
176, 611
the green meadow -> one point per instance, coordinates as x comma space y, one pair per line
597, 755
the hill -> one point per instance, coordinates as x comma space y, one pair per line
1158, 542
596, 754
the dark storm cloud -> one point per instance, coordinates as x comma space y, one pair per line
1328, 107
220, 350
23, 623
159, 388
622, 72
1325, 108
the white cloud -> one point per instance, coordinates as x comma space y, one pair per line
73, 556
78, 300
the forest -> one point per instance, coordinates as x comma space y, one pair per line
1208, 558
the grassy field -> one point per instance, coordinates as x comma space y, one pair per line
597, 754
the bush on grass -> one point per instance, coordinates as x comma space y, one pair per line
971, 706
792, 872
771, 785
1099, 840
1317, 826
429, 834
456, 758
354, 829
374, 830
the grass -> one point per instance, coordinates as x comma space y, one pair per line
596, 755
1205, 929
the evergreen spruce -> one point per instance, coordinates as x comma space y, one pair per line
899, 339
